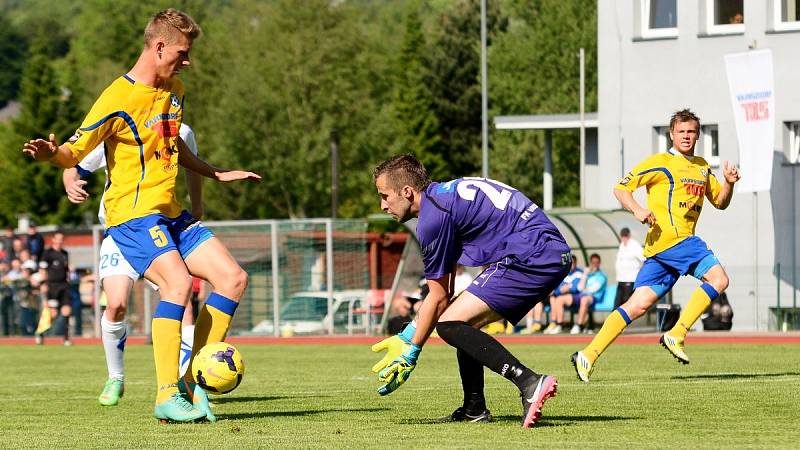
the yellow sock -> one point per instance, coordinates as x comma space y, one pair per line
699, 301
616, 323
213, 322
167, 348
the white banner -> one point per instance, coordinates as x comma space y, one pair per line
752, 90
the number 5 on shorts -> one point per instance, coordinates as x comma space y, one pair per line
159, 238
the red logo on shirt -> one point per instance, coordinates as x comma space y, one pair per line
166, 128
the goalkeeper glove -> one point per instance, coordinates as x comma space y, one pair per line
394, 346
399, 370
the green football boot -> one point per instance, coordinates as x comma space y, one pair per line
112, 392
198, 397
177, 409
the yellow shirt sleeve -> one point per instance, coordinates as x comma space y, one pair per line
641, 175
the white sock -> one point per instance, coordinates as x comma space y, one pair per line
114, 337
187, 340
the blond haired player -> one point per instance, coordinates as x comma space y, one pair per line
138, 117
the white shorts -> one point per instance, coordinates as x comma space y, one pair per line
112, 262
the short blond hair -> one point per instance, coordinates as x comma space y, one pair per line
168, 23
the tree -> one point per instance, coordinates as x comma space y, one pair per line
454, 73
533, 69
12, 51
413, 101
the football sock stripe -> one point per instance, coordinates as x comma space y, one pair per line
699, 301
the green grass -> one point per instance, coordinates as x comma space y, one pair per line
731, 396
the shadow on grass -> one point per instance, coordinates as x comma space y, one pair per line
221, 400
733, 376
546, 421
304, 413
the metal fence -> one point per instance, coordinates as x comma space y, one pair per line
305, 277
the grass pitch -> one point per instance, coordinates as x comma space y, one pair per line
309, 396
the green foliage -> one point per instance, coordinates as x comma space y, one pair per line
454, 65
271, 80
413, 101
12, 51
542, 43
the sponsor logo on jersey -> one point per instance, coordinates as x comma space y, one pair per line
691, 206
74, 138
174, 100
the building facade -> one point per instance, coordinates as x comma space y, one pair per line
656, 57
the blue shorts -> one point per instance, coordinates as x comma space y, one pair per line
689, 257
144, 239
511, 287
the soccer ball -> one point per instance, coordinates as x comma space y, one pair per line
218, 368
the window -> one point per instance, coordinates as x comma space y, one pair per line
724, 16
662, 140
659, 18
708, 144
785, 15
792, 142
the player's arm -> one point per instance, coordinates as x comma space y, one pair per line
194, 183
439, 293
74, 185
720, 194
48, 150
191, 162
627, 201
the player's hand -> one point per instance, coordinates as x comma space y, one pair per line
394, 346
398, 371
76, 193
236, 175
41, 150
645, 216
730, 172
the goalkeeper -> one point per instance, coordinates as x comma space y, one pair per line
474, 222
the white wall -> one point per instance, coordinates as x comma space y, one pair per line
642, 82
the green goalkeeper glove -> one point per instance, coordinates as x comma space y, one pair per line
394, 346
399, 370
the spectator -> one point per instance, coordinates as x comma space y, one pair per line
6, 300
630, 258
74, 280
35, 243
403, 308
55, 261
8, 245
24, 256
17, 246
25, 299
564, 291
462, 281
592, 288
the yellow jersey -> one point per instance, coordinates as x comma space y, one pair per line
676, 186
139, 125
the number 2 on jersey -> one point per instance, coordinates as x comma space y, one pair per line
499, 197
159, 238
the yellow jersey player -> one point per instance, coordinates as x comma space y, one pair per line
677, 183
138, 117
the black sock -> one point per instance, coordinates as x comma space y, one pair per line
66, 327
471, 372
486, 350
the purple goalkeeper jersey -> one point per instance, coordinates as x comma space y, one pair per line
478, 221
